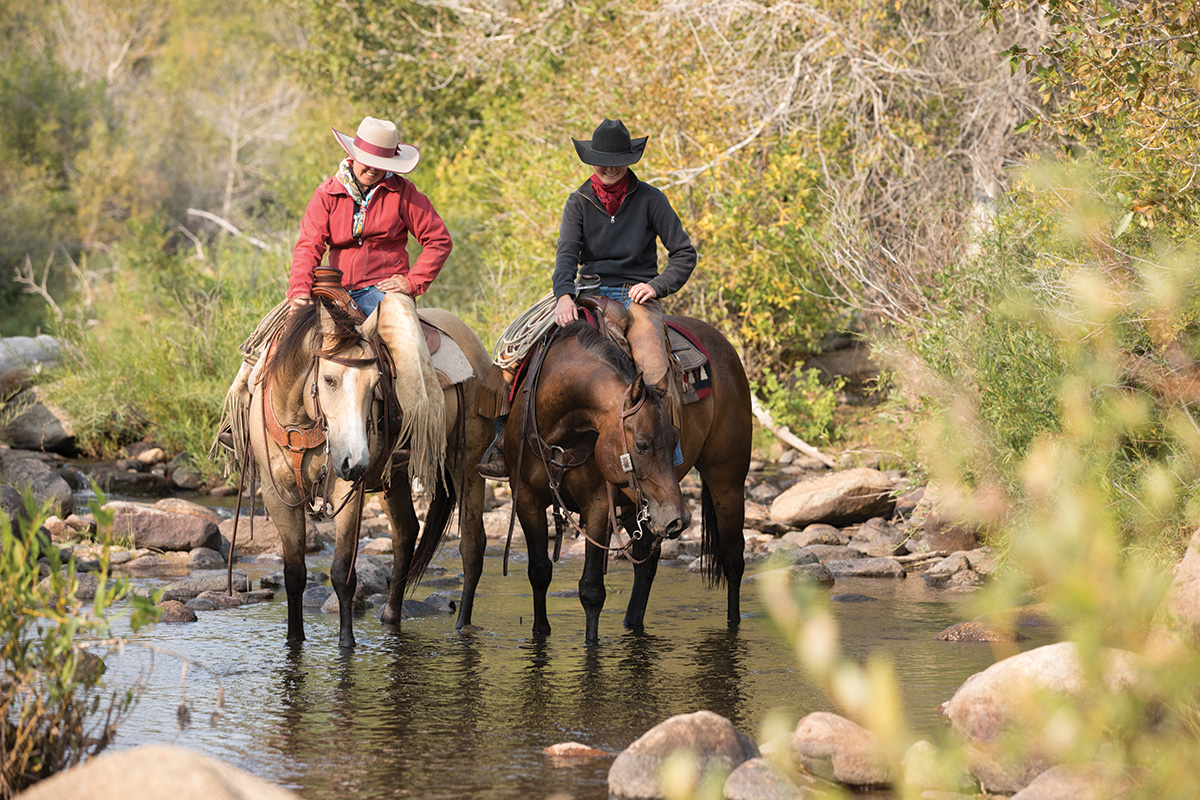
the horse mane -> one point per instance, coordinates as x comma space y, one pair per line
597, 344
301, 324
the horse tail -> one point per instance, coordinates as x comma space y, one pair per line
714, 575
441, 506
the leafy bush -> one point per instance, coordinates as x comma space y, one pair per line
802, 402
54, 709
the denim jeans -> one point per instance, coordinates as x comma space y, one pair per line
367, 298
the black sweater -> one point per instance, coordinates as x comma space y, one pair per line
621, 247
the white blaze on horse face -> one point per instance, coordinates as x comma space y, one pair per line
346, 395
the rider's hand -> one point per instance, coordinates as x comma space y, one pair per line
396, 283
299, 301
566, 311
641, 292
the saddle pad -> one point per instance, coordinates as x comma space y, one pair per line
688, 354
449, 360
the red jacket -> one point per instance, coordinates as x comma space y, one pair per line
395, 209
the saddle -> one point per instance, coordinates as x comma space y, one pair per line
689, 361
327, 284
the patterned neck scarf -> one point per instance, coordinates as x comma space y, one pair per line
610, 196
345, 176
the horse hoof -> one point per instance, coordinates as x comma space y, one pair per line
470, 629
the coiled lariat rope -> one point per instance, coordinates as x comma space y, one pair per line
524, 332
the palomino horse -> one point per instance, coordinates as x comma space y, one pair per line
578, 400
318, 386
584, 421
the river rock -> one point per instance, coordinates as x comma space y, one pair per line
333, 606
715, 744
788, 555
836, 749
817, 533
938, 528
756, 779
154, 527
152, 772
38, 424
173, 611
220, 599
866, 568
961, 569
373, 577
979, 632
818, 574
1078, 782
205, 558
265, 538
23, 357
315, 596
833, 552
150, 565
840, 498
11, 504
26, 472
205, 580
758, 517
1000, 712
878, 539
128, 477
568, 753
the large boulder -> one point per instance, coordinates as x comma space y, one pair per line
155, 772
715, 745
1001, 712
939, 526
836, 749
1178, 618
205, 580
41, 479
841, 498
164, 527
22, 357
38, 424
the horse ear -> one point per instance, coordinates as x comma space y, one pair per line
637, 389
371, 325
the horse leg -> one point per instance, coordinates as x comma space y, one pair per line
591, 584
645, 567
403, 520
471, 546
341, 571
290, 524
532, 514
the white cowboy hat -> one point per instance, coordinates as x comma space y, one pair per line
377, 144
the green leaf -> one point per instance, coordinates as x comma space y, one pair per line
1024, 126
1123, 224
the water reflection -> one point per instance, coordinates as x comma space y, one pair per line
429, 713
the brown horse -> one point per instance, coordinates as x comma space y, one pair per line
584, 421
319, 384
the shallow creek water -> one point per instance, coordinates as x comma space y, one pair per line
430, 713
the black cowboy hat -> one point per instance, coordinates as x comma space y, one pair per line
610, 146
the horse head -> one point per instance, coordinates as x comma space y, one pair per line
638, 450
345, 375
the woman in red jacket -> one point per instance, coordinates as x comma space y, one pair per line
362, 217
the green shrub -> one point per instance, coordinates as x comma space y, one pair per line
54, 709
802, 402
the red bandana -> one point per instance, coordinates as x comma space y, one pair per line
610, 196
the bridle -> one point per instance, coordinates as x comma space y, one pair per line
298, 440
557, 460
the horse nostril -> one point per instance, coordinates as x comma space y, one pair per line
674, 528
352, 473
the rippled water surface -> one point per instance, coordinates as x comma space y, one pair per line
430, 713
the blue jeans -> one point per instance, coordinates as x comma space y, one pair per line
367, 298
621, 295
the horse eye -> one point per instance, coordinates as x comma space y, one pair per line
642, 447
330, 381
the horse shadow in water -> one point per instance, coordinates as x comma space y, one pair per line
317, 385
582, 444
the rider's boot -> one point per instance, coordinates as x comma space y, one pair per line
493, 464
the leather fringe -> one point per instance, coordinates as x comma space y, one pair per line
493, 400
